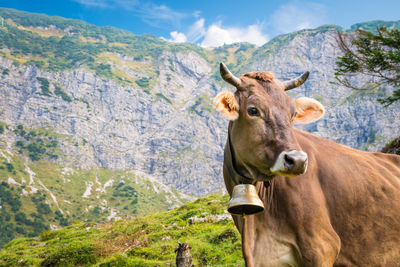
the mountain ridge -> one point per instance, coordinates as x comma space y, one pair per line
180, 78
104, 100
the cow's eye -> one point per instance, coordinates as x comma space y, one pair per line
252, 111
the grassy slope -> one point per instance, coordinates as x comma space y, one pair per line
66, 198
145, 241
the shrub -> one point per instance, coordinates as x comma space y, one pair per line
75, 254
60, 92
103, 70
44, 85
34, 156
43, 208
48, 235
392, 147
143, 82
37, 63
10, 167
160, 95
20, 144
228, 234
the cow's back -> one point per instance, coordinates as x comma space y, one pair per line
361, 192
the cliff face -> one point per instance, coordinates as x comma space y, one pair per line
163, 124
117, 127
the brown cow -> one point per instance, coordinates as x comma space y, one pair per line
343, 206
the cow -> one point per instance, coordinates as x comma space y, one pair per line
325, 204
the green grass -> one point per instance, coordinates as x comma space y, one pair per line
144, 241
29, 214
24, 213
37, 143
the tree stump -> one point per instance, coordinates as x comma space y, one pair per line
183, 257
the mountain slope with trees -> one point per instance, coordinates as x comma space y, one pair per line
82, 105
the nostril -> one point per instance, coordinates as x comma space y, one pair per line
289, 161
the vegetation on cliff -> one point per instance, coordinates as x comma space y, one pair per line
392, 147
38, 194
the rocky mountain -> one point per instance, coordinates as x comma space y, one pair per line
116, 101
137, 102
38, 195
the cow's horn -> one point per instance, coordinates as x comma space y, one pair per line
296, 82
228, 76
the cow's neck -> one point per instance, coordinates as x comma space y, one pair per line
255, 229
232, 167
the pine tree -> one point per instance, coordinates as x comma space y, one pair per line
376, 55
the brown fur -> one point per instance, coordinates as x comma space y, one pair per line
261, 76
344, 211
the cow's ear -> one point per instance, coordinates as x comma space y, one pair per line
308, 110
226, 103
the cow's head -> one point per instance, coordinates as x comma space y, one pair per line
261, 129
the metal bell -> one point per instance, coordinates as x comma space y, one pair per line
245, 200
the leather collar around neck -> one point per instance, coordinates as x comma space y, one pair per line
230, 165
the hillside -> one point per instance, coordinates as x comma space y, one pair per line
98, 123
141, 103
38, 195
147, 241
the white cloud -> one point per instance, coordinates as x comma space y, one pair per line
178, 37
160, 16
196, 31
196, 14
156, 15
216, 35
296, 16
127, 4
93, 3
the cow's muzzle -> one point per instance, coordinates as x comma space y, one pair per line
290, 163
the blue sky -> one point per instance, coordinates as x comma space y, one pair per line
213, 23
